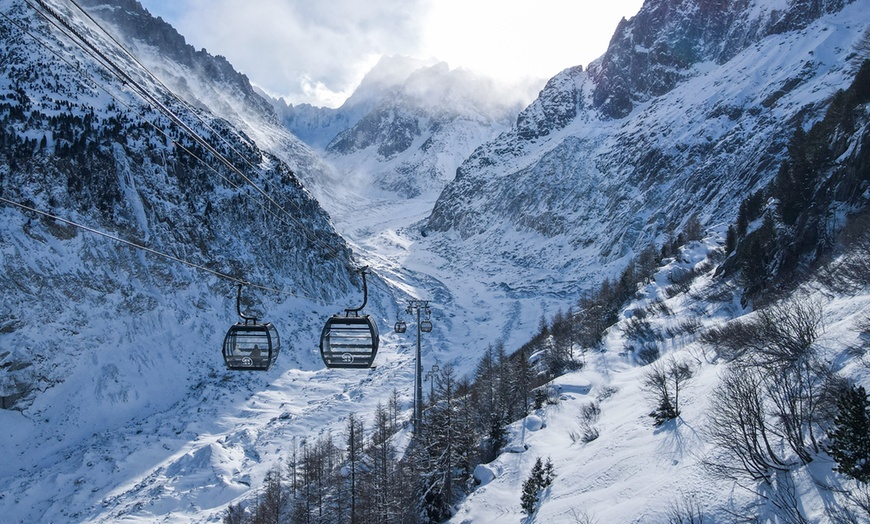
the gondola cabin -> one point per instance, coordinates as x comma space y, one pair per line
349, 342
400, 327
251, 346
248, 345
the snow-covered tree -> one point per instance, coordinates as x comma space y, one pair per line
539, 479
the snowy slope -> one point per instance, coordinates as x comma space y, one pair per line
131, 417
541, 195
634, 471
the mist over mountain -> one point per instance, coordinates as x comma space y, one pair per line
318, 126
408, 125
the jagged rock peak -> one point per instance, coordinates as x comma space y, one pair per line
649, 54
555, 107
134, 23
427, 99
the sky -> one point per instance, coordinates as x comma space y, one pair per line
318, 52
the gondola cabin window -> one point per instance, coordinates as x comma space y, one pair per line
251, 347
349, 342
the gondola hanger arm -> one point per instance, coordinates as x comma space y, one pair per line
356, 310
244, 317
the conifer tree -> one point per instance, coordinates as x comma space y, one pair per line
531, 487
539, 479
850, 436
354, 441
730, 239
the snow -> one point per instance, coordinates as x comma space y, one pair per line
633, 471
146, 426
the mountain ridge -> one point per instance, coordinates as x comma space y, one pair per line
118, 406
672, 157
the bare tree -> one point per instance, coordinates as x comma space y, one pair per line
787, 332
777, 356
780, 335
795, 379
686, 510
737, 427
663, 381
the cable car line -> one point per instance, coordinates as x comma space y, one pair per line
354, 336
101, 58
153, 251
157, 128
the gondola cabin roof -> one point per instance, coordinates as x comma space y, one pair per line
349, 342
249, 346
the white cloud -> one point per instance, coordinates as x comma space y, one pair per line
512, 38
317, 52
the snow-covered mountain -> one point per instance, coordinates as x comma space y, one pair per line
689, 110
407, 126
115, 404
421, 134
110, 354
318, 126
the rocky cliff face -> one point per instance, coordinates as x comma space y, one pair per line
684, 114
649, 55
78, 144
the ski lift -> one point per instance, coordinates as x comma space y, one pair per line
350, 340
249, 346
426, 324
400, 326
